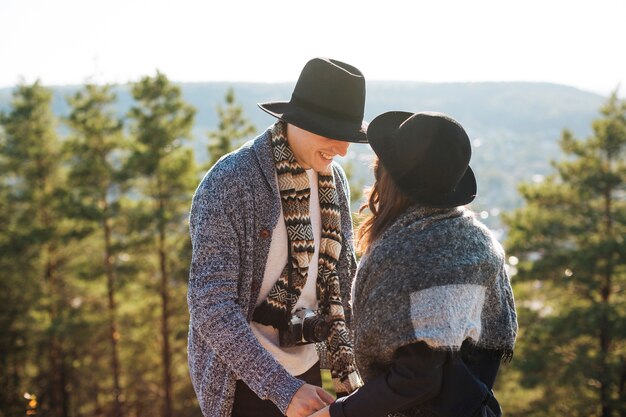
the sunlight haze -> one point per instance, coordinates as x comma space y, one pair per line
574, 43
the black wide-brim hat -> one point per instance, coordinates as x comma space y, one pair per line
328, 100
427, 155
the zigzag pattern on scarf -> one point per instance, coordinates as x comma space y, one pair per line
293, 184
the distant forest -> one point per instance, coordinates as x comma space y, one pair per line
514, 126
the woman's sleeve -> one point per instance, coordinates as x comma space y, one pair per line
415, 376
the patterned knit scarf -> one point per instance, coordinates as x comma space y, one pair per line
293, 184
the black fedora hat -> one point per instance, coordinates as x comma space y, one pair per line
328, 100
427, 155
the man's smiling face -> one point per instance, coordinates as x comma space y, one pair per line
314, 151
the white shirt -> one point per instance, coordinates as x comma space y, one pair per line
297, 359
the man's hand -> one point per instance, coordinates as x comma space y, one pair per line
307, 400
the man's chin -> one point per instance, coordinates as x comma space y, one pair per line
323, 167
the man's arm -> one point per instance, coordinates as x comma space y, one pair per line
215, 314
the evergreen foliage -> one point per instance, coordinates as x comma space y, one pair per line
163, 172
233, 127
95, 146
35, 307
569, 238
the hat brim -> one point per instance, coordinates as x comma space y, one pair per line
464, 193
319, 124
379, 134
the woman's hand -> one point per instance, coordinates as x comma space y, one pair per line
324, 412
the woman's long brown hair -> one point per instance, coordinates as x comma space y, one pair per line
385, 202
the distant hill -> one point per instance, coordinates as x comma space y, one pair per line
514, 126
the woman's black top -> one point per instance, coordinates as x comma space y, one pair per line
446, 383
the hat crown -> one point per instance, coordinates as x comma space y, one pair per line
436, 151
331, 87
427, 154
328, 100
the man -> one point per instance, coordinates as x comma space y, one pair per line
273, 262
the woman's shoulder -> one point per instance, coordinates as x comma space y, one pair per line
419, 238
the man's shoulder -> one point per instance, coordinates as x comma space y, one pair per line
340, 174
341, 180
338, 168
238, 165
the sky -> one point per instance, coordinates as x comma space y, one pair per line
60, 42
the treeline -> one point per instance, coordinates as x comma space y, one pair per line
94, 256
567, 246
95, 250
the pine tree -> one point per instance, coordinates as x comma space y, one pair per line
233, 127
161, 120
96, 147
18, 291
569, 237
31, 165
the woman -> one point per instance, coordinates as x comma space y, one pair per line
433, 308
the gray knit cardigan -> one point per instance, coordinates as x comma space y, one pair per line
233, 214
